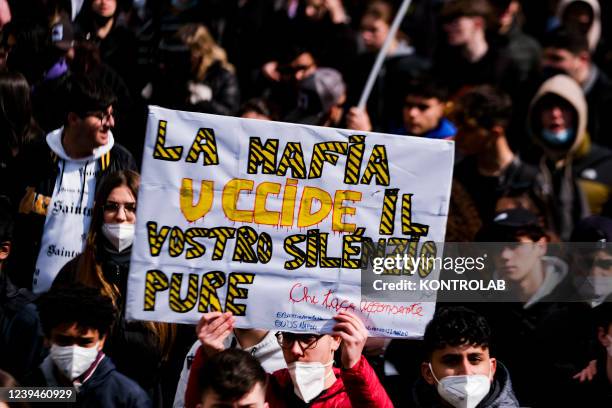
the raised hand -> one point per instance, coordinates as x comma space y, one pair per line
354, 335
212, 330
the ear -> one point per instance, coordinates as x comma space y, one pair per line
602, 337
584, 56
102, 341
73, 118
5, 250
498, 131
480, 22
493, 361
335, 343
427, 374
542, 244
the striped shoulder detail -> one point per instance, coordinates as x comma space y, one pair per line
105, 161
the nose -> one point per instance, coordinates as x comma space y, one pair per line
465, 368
556, 112
110, 121
413, 112
506, 253
296, 350
121, 215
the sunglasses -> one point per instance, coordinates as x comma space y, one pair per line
603, 263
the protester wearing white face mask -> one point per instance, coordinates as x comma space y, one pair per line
459, 372
76, 321
139, 349
310, 377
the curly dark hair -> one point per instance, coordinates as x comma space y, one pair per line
76, 303
231, 374
485, 104
455, 326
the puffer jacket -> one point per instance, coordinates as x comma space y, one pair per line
357, 386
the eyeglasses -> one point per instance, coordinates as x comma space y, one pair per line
306, 341
104, 117
603, 263
112, 207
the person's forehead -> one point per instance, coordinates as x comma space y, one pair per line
561, 52
551, 101
304, 58
421, 99
460, 350
254, 396
74, 330
371, 22
524, 239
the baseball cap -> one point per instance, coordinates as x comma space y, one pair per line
317, 94
508, 224
593, 229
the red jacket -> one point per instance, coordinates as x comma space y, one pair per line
355, 387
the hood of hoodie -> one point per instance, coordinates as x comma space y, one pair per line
568, 89
54, 140
555, 270
594, 33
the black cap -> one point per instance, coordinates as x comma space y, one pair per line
593, 229
508, 224
516, 218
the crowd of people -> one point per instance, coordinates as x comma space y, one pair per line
524, 89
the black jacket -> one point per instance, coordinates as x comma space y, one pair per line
174, 93
599, 99
106, 388
21, 338
518, 177
37, 183
134, 349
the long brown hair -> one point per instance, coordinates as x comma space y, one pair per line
203, 45
89, 270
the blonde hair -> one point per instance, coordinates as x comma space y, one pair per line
203, 45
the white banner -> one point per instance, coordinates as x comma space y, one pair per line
266, 220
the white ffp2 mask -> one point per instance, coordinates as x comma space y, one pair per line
120, 235
463, 391
74, 360
308, 378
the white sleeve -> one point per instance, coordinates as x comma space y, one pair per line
181, 387
179, 397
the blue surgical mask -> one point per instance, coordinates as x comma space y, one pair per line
558, 138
